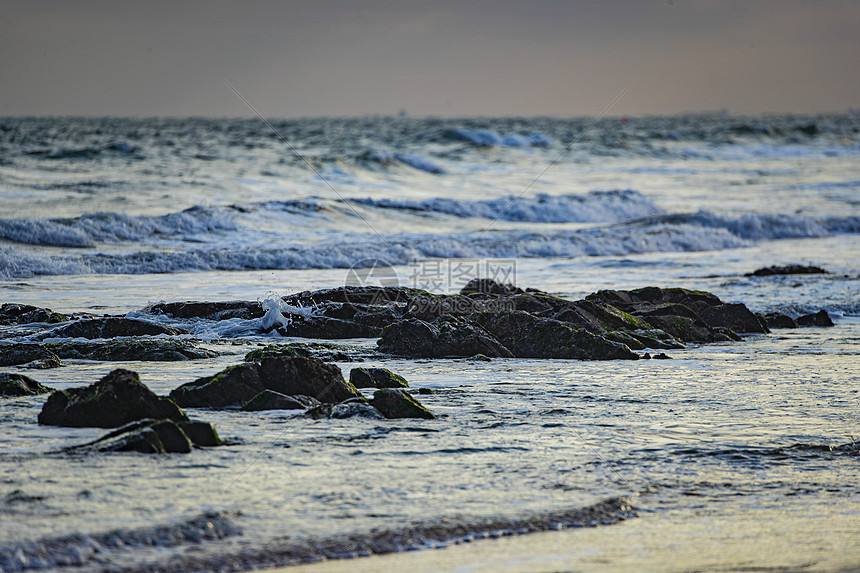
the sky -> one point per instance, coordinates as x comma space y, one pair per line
443, 58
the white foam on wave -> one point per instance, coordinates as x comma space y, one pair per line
594, 207
93, 228
489, 137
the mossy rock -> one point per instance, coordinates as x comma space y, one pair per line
15, 385
398, 403
29, 355
233, 386
115, 400
271, 400
376, 378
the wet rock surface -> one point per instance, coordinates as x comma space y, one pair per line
11, 313
115, 400
820, 318
15, 385
28, 355
376, 378
787, 270
398, 403
149, 436
112, 327
271, 400
284, 374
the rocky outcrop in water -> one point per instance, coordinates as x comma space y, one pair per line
289, 375
112, 327
820, 318
11, 313
398, 403
115, 400
28, 355
787, 270
376, 378
16, 385
150, 436
271, 400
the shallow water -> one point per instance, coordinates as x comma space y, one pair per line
724, 451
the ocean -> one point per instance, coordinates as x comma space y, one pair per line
730, 456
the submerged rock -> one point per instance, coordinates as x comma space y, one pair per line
820, 318
113, 327
209, 310
116, 399
14, 385
271, 400
787, 270
779, 320
131, 349
376, 378
150, 436
398, 403
355, 408
736, 317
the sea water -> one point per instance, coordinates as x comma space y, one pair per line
720, 445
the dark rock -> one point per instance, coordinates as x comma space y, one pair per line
425, 390
209, 310
19, 385
31, 355
131, 349
328, 328
779, 320
116, 399
11, 313
489, 286
143, 440
661, 356
630, 341
355, 408
376, 378
688, 329
156, 436
297, 375
637, 299
736, 317
398, 403
820, 318
172, 437
113, 327
787, 270
327, 351
446, 336
656, 338
528, 336
200, 433
271, 400
232, 386
809, 129
318, 412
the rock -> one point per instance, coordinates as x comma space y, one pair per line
116, 399
489, 286
113, 327
398, 403
143, 440
736, 317
11, 313
787, 270
297, 375
328, 328
820, 318
200, 433
327, 351
172, 437
528, 336
376, 378
209, 310
13, 385
271, 400
355, 408
156, 436
30, 355
640, 298
779, 320
446, 336
233, 386
131, 349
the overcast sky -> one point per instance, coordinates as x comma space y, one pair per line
457, 58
